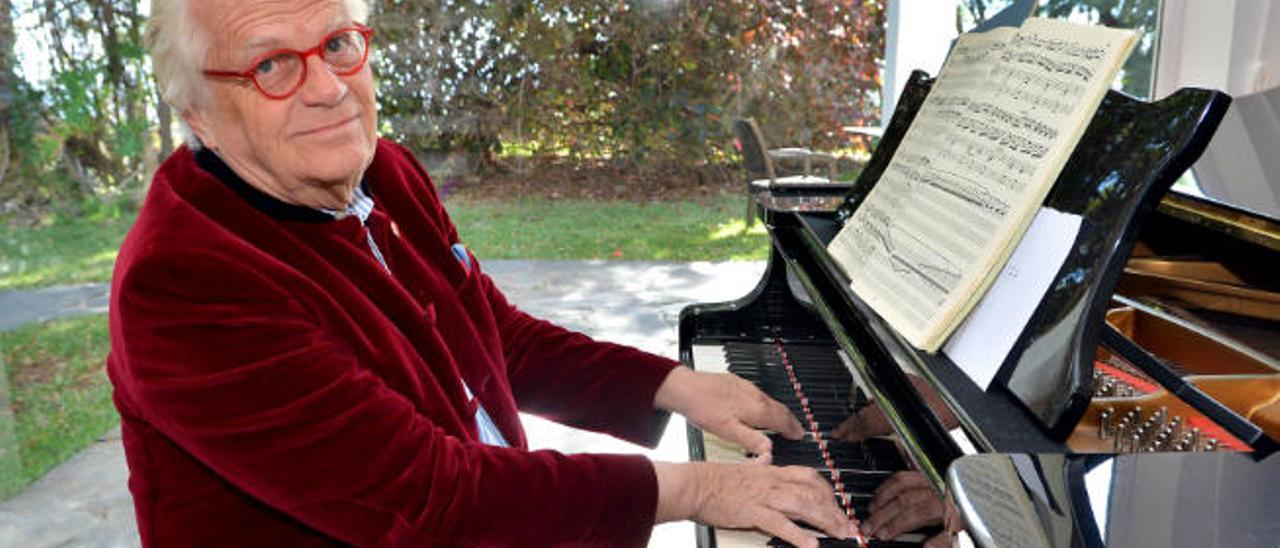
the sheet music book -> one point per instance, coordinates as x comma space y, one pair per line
990, 139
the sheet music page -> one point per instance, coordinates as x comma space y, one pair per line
983, 340
990, 139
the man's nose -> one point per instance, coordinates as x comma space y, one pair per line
322, 86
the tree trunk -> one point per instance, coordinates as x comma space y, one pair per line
8, 82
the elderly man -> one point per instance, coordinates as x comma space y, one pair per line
304, 353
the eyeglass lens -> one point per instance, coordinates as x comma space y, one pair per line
343, 52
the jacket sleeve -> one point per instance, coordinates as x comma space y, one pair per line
221, 359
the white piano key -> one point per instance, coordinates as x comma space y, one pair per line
710, 358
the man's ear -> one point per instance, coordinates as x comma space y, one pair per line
201, 126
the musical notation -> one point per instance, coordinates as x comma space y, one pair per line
1002, 117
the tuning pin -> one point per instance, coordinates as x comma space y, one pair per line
1211, 444
1162, 440
1195, 439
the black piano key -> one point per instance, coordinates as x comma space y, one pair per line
859, 483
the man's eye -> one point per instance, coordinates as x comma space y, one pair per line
336, 44
266, 66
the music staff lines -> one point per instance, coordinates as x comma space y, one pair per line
911, 258
957, 186
1065, 68
994, 133
945, 227
1000, 116
1059, 46
989, 162
1021, 85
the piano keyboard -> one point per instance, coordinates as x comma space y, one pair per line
811, 380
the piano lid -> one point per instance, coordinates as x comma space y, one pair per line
1131, 501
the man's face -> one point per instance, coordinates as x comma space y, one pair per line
308, 149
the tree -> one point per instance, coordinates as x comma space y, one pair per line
633, 81
101, 91
1141, 15
8, 80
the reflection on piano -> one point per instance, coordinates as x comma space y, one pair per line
1080, 378
1129, 500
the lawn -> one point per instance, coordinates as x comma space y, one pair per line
59, 397
84, 250
67, 251
697, 230
57, 391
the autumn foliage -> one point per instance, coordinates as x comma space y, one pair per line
637, 82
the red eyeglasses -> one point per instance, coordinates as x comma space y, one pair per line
280, 73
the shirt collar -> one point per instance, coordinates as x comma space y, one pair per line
361, 203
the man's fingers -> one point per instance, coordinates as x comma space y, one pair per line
754, 441
894, 486
868, 422
848, 430
778, 525
917, 514
879, 517
804, 475
810, 500
872, 422
908, 511
768, 414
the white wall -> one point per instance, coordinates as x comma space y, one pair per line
1220, 44
918, 35
1230, 45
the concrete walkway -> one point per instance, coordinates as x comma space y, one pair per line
38, 305
85, 501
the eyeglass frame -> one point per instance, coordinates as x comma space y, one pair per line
251, 73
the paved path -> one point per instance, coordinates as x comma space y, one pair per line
85, 502
37, 305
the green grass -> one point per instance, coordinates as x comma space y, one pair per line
69, 251
711, 229
84, 250
59, 395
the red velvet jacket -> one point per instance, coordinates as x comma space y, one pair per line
279, 387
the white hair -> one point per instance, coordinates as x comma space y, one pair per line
178, 45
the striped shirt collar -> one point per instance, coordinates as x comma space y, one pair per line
361, 205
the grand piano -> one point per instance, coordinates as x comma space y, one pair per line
1157, 335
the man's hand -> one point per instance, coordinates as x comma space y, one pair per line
728, 406
868, 422
906, 502
750, 496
